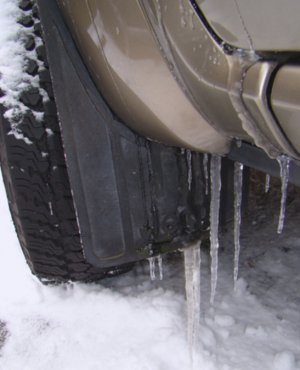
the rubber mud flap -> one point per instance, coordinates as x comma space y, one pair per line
131, 195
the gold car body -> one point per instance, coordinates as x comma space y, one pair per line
181, 79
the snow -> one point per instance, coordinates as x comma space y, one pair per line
130, 322
284, 361
11, 54
12, 64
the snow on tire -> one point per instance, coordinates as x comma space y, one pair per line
34, 168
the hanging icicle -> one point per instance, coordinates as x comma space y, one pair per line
238, 143
160, 267
190, 170
192, 268
153, 261
267, 183
238, 191
205, 168
284, 163
152, 268
215, 179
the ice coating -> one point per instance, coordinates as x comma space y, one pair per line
238, 192
284, 163
267, 183
192, 267
189, 164
152, 268
160, 267
205, 168
215, 180
153, 261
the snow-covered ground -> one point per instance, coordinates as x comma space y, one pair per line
130, 322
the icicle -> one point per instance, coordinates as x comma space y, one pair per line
284, 163
160, 267
205, 164
238, 185
192, 263
267, 183
189, 163
238, 143
215, 178
152, 267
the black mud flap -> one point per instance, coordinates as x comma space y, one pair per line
134, 198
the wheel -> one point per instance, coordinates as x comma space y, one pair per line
156, 196
36, 178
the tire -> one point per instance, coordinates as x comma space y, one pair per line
36, 178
